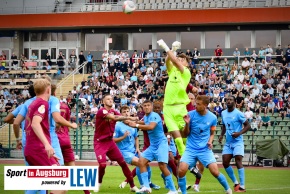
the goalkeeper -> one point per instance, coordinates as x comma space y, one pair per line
175, 98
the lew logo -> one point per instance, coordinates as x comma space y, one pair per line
84, 177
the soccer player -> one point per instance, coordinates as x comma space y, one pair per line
38, 150
104, 144
233, 121
158, 148
175, 98
199, 130
64, 139
126, 138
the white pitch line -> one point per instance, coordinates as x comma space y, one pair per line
259, 189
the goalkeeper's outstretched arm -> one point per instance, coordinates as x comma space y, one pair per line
170, 56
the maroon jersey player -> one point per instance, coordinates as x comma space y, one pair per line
104, 144
38, 150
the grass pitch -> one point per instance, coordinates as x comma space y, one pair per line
258, 181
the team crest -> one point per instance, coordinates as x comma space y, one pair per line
105, 111
41, 109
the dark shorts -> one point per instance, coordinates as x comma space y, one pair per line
107, 148
40, 159
66, 148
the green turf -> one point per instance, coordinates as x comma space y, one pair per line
258, 181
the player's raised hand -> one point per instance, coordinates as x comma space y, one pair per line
209, 144
18, 145
186, 118
49, 150
74, 125
163, 45
176, 45
126, 134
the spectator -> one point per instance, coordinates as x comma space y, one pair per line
236, 54
261, 55
249, 114
218, 52
271, 107
90, 59
247, 53
254, 125
14, 60
280, 53
266, 121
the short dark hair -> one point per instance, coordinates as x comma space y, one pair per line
205, 99
231, 96
182, 55
147, 101
31, 91
105, 95
125, 107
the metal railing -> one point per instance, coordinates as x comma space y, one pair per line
72, 74
111, 6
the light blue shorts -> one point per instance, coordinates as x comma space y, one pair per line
157, 152
128, 156
205, 156
172, 147
234, 149
56, 146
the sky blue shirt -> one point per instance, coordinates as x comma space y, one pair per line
233, 122
54, 106
157, 134
25, 106
199, 127
127, 144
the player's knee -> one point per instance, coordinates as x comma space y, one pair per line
213, 168
121, 162
102, 165
182, 169
226, 164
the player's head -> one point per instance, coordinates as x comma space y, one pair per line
125, 111
108, 100
31, 91
231, 102
157, 107
202, 102
53, 89
184, 60
42, 87
147, 106
46, 77
191, 98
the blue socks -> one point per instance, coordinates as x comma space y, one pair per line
182, 184
35, 192
169, 183
149, 173
139, 175
231, 174
241, 172
144, 176
223, 181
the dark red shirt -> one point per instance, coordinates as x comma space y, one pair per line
39, 107
190, 107
63, 131
189, 88
104, 128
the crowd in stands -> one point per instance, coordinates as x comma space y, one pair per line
260, 83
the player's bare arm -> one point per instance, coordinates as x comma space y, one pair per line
120, 118
185, 132
211, 137
16, 129
36, 120
222, 133
62, 121
137, 146
149, 127
9, 118
246, 128
118, 139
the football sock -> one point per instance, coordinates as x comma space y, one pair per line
172, 165
133, 172
138, 173
102, 168
231, 174
223, 181
144, 176
86, 192
180, 145
126, 172
197, 181
241, 172
149, 173
182, 184
169, 183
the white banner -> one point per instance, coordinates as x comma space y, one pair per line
51, 177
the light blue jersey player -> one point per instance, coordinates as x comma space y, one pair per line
54, 107
234, 125
126, 138
199, 130
158, 149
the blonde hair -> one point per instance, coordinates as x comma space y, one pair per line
40, 86
46, 77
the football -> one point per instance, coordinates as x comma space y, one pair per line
128, 7
77, 157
